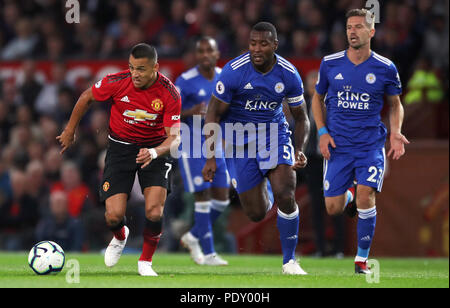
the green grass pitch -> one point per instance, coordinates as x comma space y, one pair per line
244, 271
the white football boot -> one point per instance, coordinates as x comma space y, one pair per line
293, 268
214, 259
145, 269
114, 249
191, 243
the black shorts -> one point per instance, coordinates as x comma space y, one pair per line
121, 167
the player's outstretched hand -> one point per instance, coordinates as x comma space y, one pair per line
300, 161
66, 139
324, 142
144, 157
209, 170
398, 142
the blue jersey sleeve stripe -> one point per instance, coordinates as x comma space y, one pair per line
286, 62
241, 64
334, 56
292, 70
193, 72
382, 59
237, 62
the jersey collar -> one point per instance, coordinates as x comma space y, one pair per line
356, 65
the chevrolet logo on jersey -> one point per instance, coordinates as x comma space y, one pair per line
140, 115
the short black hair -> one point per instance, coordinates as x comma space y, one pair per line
207, 39
264, 26
143, 50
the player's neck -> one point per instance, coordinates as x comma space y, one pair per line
208, 73
266, 67
359, 55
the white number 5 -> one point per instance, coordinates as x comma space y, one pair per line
287, 152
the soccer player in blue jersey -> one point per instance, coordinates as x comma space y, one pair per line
211, 199
248, 97
346, 106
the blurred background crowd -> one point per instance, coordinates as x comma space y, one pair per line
47, 195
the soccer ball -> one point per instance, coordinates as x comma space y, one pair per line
46, 257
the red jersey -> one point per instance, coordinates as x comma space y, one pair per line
139, 116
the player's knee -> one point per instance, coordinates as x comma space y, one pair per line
256, 215
333, 208
154, 212
112, 218
365, 201
285, 202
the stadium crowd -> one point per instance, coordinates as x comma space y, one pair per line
43, 194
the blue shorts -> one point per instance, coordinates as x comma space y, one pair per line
246, 172
366, 167
191, 172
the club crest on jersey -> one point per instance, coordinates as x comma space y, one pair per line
140, 115
370, 78
157, 104
106, 186
279, 87
220, 88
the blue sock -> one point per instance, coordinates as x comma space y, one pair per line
288, 227
202, 226
217, 208
366, 228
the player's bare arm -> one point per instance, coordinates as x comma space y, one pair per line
318, 109
145, 155
301, 135
199, 109
67, 137
216, 108
397, 139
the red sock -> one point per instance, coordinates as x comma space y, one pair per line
352, 191
119, 234
151, 240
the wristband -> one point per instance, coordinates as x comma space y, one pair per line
153, 153
323, 131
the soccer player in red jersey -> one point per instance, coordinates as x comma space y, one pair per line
144, 125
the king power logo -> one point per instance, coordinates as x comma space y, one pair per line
351, 100
260, 105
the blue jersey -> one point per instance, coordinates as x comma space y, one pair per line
255, 97
195, 89
354, 99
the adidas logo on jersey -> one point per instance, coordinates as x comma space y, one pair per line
125, 99
202, 92
366, 238
248, 86
339, 77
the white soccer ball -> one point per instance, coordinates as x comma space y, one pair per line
46, 257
